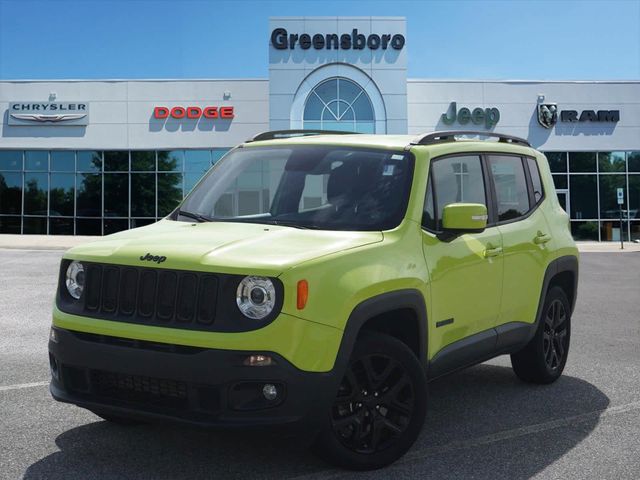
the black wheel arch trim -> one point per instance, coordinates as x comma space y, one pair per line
567, 263
411, 299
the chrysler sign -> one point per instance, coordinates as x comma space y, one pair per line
48, 113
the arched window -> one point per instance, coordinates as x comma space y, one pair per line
339, 104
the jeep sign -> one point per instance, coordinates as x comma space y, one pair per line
478, 116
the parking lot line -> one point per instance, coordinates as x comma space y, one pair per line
22, 385
493, 438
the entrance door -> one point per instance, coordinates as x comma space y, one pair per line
563, 198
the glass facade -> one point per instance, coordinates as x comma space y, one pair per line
587, 184
86, 192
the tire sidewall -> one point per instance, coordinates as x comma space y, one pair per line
555, 293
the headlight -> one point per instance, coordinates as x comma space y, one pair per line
75, 279
256, 297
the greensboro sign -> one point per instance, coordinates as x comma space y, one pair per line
283, 40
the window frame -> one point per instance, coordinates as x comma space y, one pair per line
489, 188
533, 206
488, 193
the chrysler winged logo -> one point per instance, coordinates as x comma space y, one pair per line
48, 113
43, 117
547, 114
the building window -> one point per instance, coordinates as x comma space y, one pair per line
339, 104
87, 192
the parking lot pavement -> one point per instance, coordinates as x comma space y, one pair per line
482, 422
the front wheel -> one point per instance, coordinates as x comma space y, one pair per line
379, 409
543, 359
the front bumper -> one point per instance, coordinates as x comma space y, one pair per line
194, 385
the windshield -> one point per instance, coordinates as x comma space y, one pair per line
322, 187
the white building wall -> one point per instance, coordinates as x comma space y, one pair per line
121, 114
387, 69
517, 102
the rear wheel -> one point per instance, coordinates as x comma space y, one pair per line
379, 408
543, 359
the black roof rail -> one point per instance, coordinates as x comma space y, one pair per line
450, 136
275, 134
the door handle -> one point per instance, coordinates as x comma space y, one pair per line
492, 252
541, 238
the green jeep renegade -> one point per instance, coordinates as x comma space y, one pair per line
320, 280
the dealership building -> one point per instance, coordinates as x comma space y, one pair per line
93, 157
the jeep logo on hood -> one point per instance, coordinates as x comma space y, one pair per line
153, 258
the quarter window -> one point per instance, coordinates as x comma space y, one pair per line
535, 179
511, 186
453, 180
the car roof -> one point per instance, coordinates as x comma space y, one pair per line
396, 142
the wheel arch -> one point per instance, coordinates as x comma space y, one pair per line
380, 314
561, 272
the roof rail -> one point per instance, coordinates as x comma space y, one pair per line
275, 134
450, 136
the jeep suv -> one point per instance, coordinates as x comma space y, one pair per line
320, 281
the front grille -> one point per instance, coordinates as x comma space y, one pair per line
139, 389
150, 296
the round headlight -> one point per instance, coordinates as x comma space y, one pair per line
75, 279
256, 297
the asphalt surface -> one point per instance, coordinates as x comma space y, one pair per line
483, 423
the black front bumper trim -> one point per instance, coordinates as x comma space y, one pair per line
185, 384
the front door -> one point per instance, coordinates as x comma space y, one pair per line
465, 272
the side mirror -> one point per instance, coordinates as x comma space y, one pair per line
464, 218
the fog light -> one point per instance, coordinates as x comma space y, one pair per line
270, 392
53, 335
258, 361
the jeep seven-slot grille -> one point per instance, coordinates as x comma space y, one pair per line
150, 296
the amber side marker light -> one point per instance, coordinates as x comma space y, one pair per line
303, 294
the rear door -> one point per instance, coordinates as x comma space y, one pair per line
466, 271
525, 234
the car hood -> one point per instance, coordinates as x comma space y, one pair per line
225, 247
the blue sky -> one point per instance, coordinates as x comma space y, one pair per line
518, 39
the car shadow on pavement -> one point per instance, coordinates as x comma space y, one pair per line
482, 423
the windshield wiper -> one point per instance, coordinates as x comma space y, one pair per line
285, 223
195, 216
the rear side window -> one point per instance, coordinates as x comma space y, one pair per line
511, 186
452, 180
535, 179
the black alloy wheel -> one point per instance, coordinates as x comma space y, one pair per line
554, 337
379, 408
543, 359
374, 404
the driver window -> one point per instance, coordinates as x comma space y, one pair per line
456, 179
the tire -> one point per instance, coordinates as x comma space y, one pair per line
379, 408
543, 359
119, 419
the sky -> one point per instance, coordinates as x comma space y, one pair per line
466, 39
